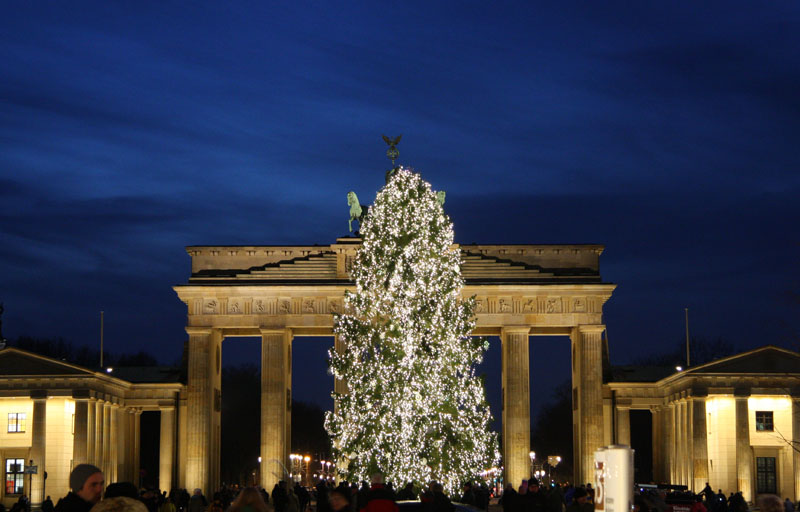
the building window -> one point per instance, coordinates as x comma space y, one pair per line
16, 422
764, 421
766, 478
15, 476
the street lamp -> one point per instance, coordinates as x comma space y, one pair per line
532, 455
552, 461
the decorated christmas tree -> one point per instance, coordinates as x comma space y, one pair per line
414, 410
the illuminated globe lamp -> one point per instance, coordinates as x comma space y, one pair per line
532, 456
553, 461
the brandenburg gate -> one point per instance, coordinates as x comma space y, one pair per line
280, 292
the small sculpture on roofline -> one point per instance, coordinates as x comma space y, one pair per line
357, 211
392, 153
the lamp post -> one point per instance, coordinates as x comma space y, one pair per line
552, 461
532, 455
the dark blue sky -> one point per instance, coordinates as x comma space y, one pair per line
667, 131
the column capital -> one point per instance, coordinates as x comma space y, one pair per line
516, 329
198, 331
272, 331
38, 394
592, 328
698, 393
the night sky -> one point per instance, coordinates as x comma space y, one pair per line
667, 131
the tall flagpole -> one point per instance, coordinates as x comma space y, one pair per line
101, 339
688, 361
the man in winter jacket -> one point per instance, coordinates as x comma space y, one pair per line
86, 482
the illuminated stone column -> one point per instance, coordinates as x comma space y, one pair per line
657, 436
699, 443
678, 459
166, 448
744, 454
200, 408
516, 404
136, 447
685, 450
80, 435
669, 443
99, 421
796, 452
113, 444
91, 428
588, 416
131, 454
106, 467
121, 447
38, 446
275, 404
623, 425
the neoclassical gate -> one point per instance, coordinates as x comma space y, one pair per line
282, 292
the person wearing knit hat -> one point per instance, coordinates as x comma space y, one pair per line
86, 482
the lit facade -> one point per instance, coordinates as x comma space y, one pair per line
59, 415
729, 422
278, 293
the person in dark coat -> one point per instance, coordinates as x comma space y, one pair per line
86, 482
580, 501
510, 499
280, 496
323, 505
468, 497
47, 505
441, 503
379, 498
407, 493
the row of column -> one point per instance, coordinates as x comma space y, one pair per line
202, 457
107, 436
203, 407
587, 378
680, 442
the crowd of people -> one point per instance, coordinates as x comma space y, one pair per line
87, 485
89, 494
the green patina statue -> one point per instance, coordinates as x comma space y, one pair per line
357, 211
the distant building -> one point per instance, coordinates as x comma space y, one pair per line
730, 422
59, 415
